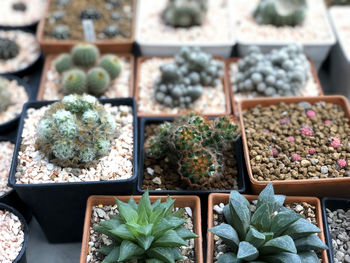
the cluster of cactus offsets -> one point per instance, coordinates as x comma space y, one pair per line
273, 233
282, 72
185, 13
145, 232
5, 95
83, 73
281, 12
76, 131
60, 32
181, 83
195, 145
8, 48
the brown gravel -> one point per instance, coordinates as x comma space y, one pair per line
274, 128
160, 175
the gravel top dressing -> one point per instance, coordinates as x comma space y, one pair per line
6, 152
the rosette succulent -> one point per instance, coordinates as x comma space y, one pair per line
272, 233
145, 232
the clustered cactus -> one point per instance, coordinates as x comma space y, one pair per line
281, 12
8, 48
181, 83
283, 72
184, 13
60, 32
82, 72
272, 234
90, 13
5, 95
194, 144
76, 131
145, 232
112, 30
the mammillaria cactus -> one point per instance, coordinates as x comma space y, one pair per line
8, 48
5, 95
76, 131
60, 32
74, 81
281, 12
194, 144
282, 72
85, 54
181, 83
145, 232
184, 13
272, 234
63, 62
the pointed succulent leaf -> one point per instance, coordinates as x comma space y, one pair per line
144, 241
123, 232
247, 251
156, 203
311, 242
229, 258
267, 196
153, 260
227, 214
241, 218
110, 224
282, 220
108, 233
107, 249
137, 229
301, 228
308, 257
162, 210
179, 213
277, 245
164, 254
177, 253
283, 257
268, 236
279, 199
144, 206
112, 256
235, 196
169, 204
126, 211
261, 218
228, 234
185, 234
166, 224
132, 203
129, 250
255, 238
170, 239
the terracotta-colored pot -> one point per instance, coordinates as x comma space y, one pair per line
49, 46
140, 114
216, 199
310, 187
181, 201
48, 62
229, 83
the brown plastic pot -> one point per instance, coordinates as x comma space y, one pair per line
310, 187
58, 46
180, 201
141, 114
229, 83
216, 199
49, 59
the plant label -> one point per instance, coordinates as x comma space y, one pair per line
89, 31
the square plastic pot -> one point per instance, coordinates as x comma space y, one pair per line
332, 204
59, 207
216, 199
180, 201
310, 187
241, 181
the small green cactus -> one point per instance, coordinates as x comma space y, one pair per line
85, 55
74, 81
111, 63
60, 32
8, 48
76, 131
5, 95
63, 62
98, 80
281, 12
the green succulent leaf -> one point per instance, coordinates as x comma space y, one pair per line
144, 208
228, 234
123, 232
167, 223
185, 234
261, 218
268, 236
179, 213
277, 245
308, 257
283, 257
301, 228
282, 220
112, 256
235, 196
106, 250
247, 251
137, 229
153, 260
267, 196
129, 250
170, 239
132, 203
229, 258
164, 254
126, 211
110, 224
108, 233
241, 218
162, 210
311, 242
156, 203
145, 241
255, 238
227, 214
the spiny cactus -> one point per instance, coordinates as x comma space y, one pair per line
283, 72
85, 54
281, 12
195, 145
76, 131
181, 83
184, 13
63, 62
272, 234
74, 81
5, 95
112, 30
90, 13
60, 32
111, 64
98, 80
8, 48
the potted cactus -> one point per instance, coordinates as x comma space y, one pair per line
263, 230
85, 70
165, 26
68, 150
190, 81
273, 23
140, 231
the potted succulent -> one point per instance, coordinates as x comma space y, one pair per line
264, 229
165, 26
86, 70
69, 150
274, 23
14, 235
190, 81
191, 154
108, 24
299, 144
336, 212
132, 229
289, 73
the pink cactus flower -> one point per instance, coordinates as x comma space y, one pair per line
310, 114
291, 139
312, 150
327, 122
341, 163
307, 130
284, 121
296, 157
335, 142
274, 152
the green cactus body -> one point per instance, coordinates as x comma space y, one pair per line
8, 48
85, 55
5, 95
76, 131
112, 65
74, 81
63, 62
281, 12
98, 80
272, 233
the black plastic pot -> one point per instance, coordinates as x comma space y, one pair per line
332, 203
241, 176
29, 27
21, 258
60, 207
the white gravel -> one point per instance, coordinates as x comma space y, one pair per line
6, 152
35, 168
120, 87
11, 236
212, 100
341, 21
